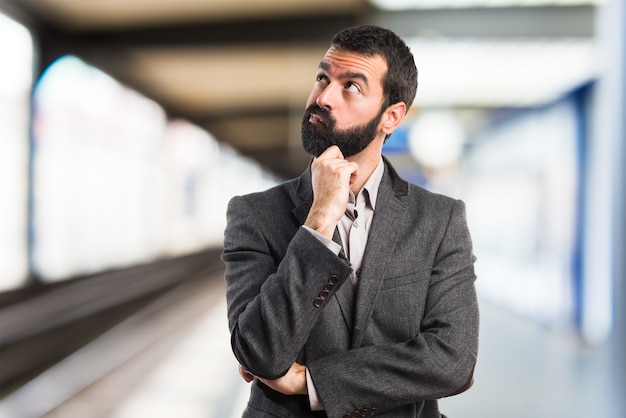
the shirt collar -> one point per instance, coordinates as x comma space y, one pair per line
370, 189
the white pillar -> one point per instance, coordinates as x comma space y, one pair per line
604, 180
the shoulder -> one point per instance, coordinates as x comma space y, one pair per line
430, 198
434, 210
275, 199
263, 217
418, 196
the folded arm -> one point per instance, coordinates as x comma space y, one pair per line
274, 294
437, 362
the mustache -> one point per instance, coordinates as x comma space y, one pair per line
323, 113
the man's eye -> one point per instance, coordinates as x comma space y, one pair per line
321, 78
353, 87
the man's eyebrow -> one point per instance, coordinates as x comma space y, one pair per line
324, 66
348, 74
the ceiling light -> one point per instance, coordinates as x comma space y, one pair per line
498, 72
450, 4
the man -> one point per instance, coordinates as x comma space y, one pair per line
350, 291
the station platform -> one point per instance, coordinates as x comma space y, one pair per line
173, 359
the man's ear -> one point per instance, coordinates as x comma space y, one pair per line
393, 117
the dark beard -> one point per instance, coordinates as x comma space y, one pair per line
317, 138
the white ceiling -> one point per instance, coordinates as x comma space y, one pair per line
231, 84
438, 4
453, 71
500, 72
230, 78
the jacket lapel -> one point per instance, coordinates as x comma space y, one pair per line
388, 219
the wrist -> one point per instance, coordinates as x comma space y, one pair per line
321, 223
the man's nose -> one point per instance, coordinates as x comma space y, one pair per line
328, 97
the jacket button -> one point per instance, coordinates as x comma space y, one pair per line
333, 279
318, 302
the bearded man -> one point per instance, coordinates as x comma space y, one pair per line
350, 291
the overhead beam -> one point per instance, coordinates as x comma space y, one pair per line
550, 21
111, 15
225, 34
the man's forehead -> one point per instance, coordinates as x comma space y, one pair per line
342, 60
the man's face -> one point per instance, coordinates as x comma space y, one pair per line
345, 105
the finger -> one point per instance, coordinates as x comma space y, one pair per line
331, 152
336, 164
349, 168
245, 374
354, 173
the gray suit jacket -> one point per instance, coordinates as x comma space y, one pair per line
405, 336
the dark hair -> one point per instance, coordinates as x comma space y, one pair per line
400, 82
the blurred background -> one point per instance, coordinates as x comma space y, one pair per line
126, 126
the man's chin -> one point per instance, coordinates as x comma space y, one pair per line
312, 145
314, 151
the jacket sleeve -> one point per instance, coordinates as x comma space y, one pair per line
274, 295
439, 361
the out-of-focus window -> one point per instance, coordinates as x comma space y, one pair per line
96, 172
116, 184
521, 188
16, 71
190, 181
